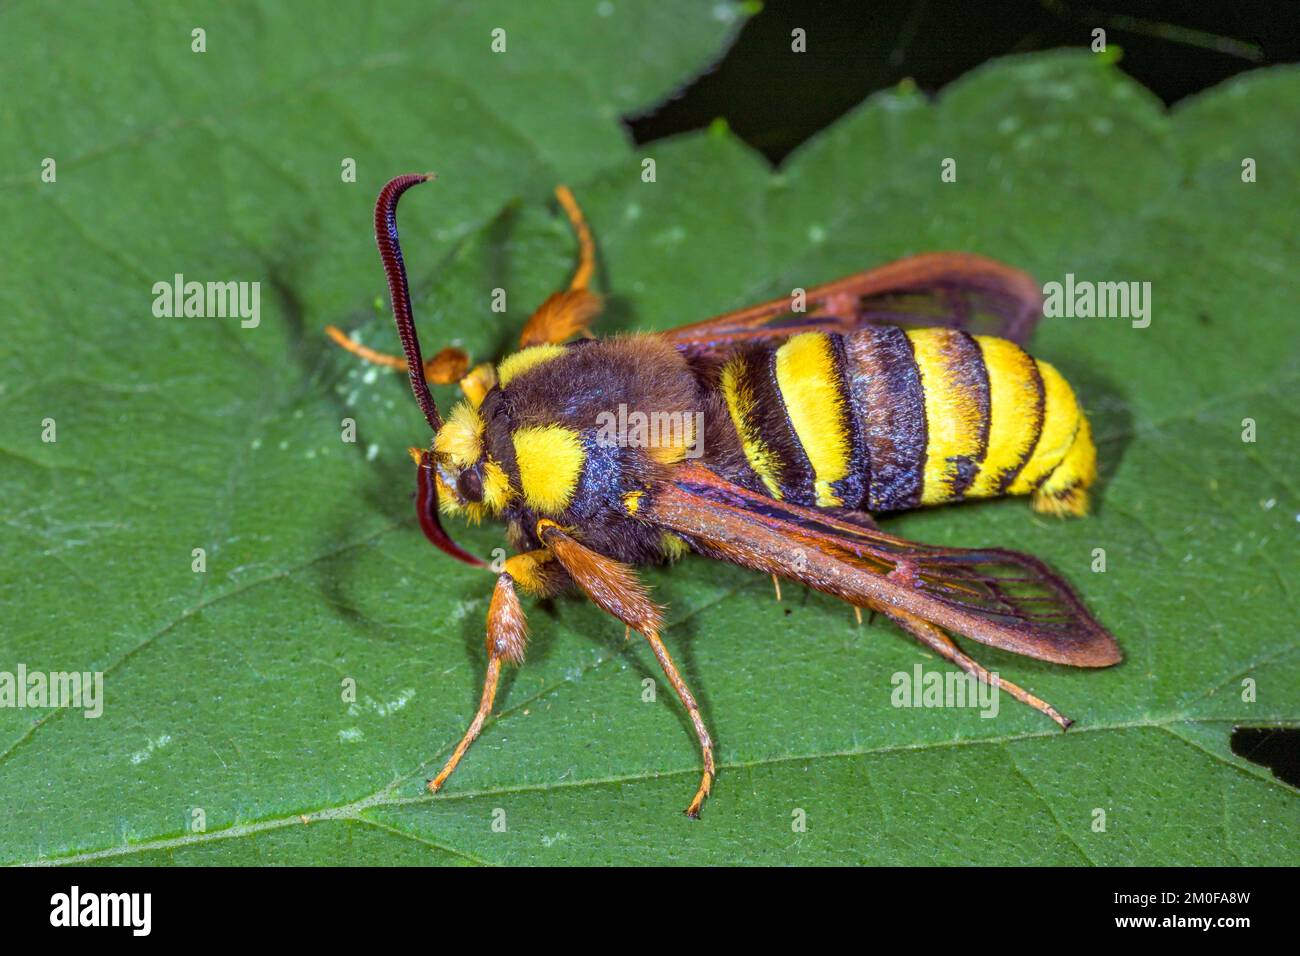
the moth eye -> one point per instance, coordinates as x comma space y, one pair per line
470, 485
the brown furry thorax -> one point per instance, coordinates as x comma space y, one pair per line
537, 445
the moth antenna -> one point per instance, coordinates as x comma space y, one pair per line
390, 251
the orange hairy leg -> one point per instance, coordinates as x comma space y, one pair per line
615, 589
448, 366
507, 637
586, 247
570, 312
697, 721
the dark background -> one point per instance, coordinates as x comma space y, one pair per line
774, 99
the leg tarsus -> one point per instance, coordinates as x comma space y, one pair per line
507, 635
943, 645
342, 340
615, 589
693, 711
449, 365
484, 708
586, 247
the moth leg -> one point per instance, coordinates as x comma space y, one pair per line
484, 708
537, 573
866, 521
507, 637
478, 382
586, 247
943, 645
615, 589
449, 365
697, 721
570, 312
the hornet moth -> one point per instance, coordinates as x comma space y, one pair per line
900, 387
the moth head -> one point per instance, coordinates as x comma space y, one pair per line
469, 482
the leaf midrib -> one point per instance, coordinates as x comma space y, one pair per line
382, 798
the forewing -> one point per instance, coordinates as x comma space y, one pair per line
1002, 598
959, 290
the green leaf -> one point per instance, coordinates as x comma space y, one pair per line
224, 689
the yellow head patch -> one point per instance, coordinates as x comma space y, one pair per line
459, 446
460, 439
496, 486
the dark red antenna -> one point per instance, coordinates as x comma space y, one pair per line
390, 250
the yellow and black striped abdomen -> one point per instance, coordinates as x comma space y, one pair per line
886, 419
